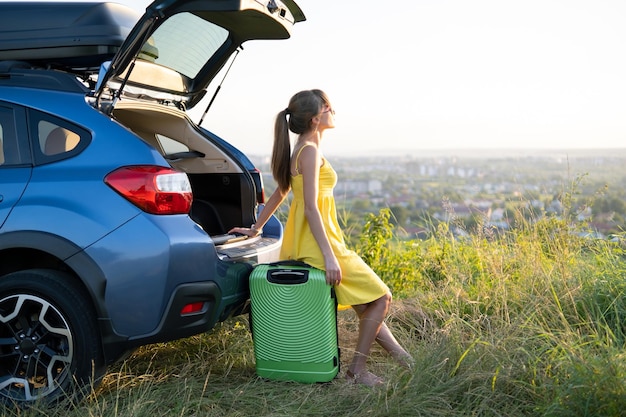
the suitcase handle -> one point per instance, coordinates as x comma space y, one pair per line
287, 276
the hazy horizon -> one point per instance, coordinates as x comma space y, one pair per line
446, 74
476, 152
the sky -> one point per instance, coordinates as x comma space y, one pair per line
411, 75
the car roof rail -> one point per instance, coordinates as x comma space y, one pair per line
21, 74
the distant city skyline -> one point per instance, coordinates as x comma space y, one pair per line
445, 74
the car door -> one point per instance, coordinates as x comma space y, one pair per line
15, 167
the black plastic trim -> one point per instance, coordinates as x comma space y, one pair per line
41, 79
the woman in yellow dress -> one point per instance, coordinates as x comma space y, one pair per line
312, 233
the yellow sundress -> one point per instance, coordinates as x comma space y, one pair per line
359, 283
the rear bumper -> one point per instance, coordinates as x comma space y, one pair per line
143, 297
217, 306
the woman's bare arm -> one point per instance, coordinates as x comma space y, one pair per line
271, 206
309, 166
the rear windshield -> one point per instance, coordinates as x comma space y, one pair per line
199, 38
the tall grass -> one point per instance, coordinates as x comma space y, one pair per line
531, 322
538, 313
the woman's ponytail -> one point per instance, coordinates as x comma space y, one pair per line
281, 153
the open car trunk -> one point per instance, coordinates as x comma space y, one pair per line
156, 70
224, 191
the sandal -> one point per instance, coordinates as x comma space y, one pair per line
366, 378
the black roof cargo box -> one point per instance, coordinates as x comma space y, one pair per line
73, 35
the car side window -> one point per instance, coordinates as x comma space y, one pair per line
6, 126
55, 139
171, 146
11, 152
1, 146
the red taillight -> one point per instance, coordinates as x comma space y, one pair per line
154, 189
192, 308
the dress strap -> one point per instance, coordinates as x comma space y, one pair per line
298, 157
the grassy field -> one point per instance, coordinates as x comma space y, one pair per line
527, 323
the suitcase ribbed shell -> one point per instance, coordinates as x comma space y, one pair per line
294, 324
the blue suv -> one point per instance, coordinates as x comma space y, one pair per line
114, 205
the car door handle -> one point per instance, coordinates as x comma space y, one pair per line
1, 198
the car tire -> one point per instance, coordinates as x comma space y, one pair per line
50, 347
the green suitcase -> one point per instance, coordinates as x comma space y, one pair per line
294, 323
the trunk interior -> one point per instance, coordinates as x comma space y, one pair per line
224, 193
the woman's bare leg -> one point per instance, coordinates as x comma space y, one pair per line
371, 318
388, 342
